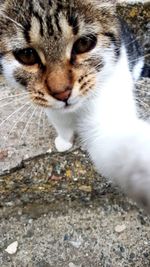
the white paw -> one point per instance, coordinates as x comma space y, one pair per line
62, 145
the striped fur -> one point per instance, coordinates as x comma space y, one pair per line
52, 28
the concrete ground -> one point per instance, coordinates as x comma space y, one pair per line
61, 212
58, 209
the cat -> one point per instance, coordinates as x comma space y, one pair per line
77, 59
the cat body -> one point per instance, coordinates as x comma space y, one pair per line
79, 62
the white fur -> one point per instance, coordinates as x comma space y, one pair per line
62, 145
117, 141
9, 66
137, 69
64, 124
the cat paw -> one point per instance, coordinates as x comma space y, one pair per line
62, 145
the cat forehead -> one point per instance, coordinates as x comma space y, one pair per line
89, 11
52, 23
47, 17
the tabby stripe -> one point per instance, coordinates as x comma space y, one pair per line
38, 98
73, 22
57, 12
1, 68
30, 7
42, 5
57, 22
35, 14
27, 28
21, 80
27, 24
114, 41
50, 3
59, 6
49, 26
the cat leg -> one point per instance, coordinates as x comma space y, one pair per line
64, 140
64, 126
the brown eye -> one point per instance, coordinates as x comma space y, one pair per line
27, 56
84, 44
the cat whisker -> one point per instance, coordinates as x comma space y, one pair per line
40, 117
142, 103
27, 124
15, 112
132, 42
86, 140
142, 91
12, 20
139, 89
142, 57
13, 96
9, 103
44, 126
144, 115
19, 119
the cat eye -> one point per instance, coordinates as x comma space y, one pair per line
84, 44
27, 56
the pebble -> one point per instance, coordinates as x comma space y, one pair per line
30, 221
120, 228
3, 154
12, 248
76, 244
26, 156
49, 151
56, 178
71, 264
85, 188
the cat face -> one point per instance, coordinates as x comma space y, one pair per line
58, 50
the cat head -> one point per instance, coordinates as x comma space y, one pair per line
58, 49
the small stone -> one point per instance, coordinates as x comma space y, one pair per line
85, 188
12, 248
69, 173
49, 151
71, 264
19, 212
30, 221
132, 255
55, 178
77, 243
26, 156
3, 154
9, 204
66, 237
120, 228
146, 254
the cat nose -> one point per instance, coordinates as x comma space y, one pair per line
63, 96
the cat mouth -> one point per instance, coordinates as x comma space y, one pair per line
72, 104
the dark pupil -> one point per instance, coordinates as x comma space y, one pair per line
26, 56
84, 44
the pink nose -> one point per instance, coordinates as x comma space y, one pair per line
63, 96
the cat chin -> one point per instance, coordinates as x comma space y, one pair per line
71, 106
